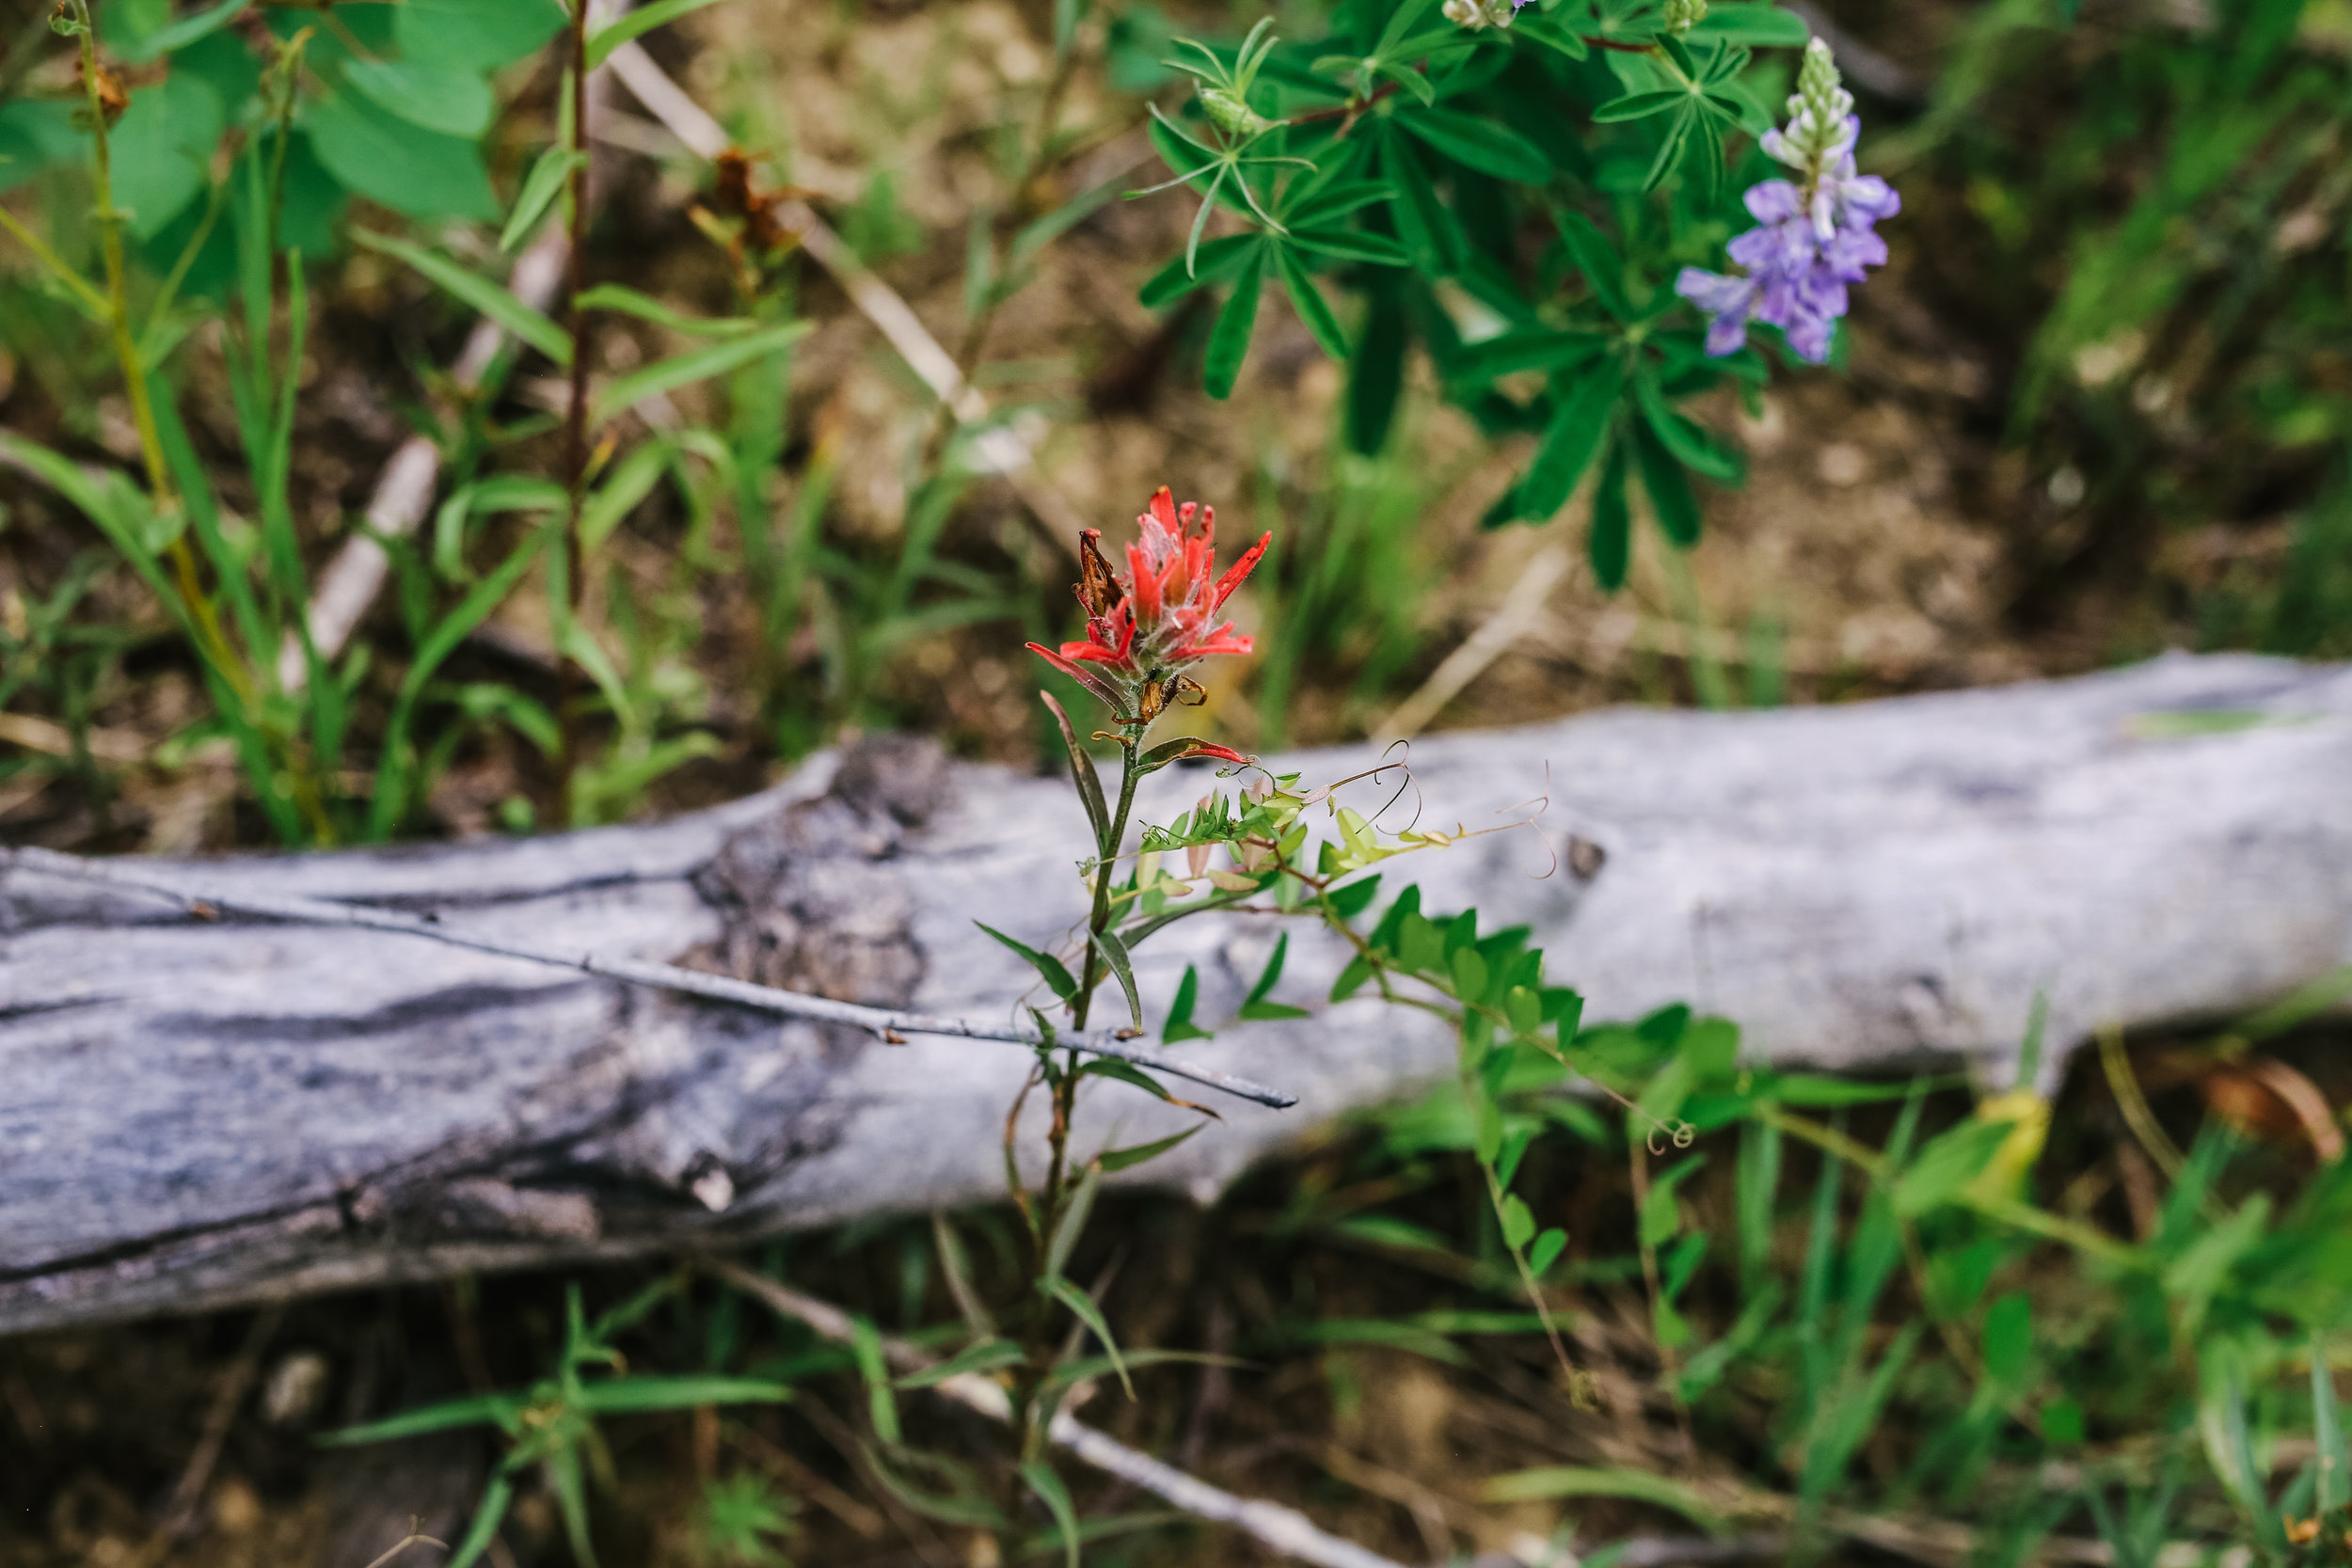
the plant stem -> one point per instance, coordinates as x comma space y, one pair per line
1036, 1341
166, 500
576, 413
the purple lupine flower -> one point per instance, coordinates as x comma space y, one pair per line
1812, 238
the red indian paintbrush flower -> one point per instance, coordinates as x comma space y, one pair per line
1150, 623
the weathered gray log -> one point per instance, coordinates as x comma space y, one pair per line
193, 1114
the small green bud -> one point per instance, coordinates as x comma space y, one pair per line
64, 21
1818, 85
1232, 113
1683, 15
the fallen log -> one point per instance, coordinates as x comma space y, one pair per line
198, 1113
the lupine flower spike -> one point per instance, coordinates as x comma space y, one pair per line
1814, 237
1148, 625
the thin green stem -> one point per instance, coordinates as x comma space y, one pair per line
84, 290
117, 307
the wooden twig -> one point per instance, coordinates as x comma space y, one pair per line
1518, 613
884, 1022
1281, 1529
179, 1512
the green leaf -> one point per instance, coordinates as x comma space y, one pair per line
1947, 1164
684, 369
1083, 774
472, 288
1351, 979
1116, 1159
637, 23
1071, 1223
1661, 1220
1598, 260
482, 35
2334, 1479
1691, 446
1563, 1480
541, 187
1045, 963
1218, 260
1400, 25
1610, 542
1524, 349
1180, 1025
2008, 1341
1083, 1307
1257, 1007
1351, 245
986, 1356
1376, 376
1549, 33
498, 1410
882, 1408
1469, 974
1127, 1073
1669, 150
187, 31
1639, 106
1314, 311
1765, 25
1229, 340
1518, 1222
390, 804
1669, 489
1546, 1251
626, 483
1332, 202
416, 172
449, 99
499, 493
487, 1516
163, 149
1115, 953
1048, 1486
1578, 428
967, 1504
1422, 221
630, 1394
1484, 145
35, 134
1352, 901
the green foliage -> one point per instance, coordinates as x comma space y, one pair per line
553, 1425
1408, 157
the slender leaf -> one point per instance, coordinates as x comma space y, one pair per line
1083, 1307
1045, 964
1485, 144
1083, 774
1229, 340
1049, 1490
702, 364
472, 289
1577, 431
540, 189
1258, 1007
1116, 1159
1314, 311
637, 23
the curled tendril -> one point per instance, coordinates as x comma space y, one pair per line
1677, 1133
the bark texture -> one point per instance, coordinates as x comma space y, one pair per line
196, 1114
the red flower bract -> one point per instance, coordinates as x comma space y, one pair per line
1149, 624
